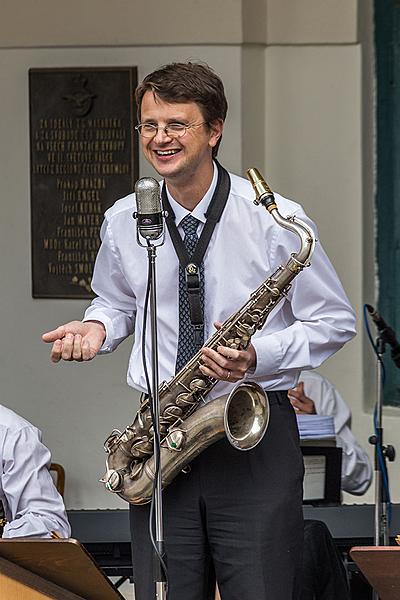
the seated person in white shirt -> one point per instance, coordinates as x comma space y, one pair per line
324, 575
30, 501
314, 394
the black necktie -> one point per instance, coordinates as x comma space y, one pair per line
187, 345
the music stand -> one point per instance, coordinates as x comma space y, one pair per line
51, 568
381, 567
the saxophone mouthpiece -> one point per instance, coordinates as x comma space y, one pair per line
264, 195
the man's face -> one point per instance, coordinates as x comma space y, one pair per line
178, 159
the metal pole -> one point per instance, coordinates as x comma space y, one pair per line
159, 575
380, 523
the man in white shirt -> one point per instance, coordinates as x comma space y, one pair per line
315, 394
31, 503
236, 514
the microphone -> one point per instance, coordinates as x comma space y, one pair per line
149, 213
387, 333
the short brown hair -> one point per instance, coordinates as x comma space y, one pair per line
187, 82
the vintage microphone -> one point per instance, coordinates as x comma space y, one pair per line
151, 228
386, 335
149, 214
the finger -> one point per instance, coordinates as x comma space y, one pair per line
215, 363
229, 353
223, 360
297, 406
56, 350
217, 324
218, 373
294, 394
211, 356
87, 352
55, 334
77, 347
67, 347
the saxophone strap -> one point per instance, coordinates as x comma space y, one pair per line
191, 264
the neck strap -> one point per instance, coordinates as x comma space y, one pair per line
191, 264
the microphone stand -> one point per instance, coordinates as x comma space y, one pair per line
381, 454
159, 553
150, 227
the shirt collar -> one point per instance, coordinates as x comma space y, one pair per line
199, 211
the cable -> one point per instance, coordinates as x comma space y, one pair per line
156, 437
378, 442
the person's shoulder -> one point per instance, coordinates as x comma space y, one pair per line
12, 421
312, 376
241, 188
121, 207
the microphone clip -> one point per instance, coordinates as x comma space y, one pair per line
148, 221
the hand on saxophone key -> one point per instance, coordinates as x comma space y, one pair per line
76, 340
227, 364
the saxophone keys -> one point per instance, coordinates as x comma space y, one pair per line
172, 411
175, 440
183, 399
112, 480
162, 429
136, 469
197, 384
233, 343
141, 448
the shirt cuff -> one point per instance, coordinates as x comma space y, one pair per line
269, 353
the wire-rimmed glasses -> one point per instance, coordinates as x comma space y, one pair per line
172, 130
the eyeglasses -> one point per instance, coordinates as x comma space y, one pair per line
173, 130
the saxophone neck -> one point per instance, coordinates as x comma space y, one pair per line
265, 196
303, 231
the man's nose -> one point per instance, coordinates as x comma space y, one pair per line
162, 134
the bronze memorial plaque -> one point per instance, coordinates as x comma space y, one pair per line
83, 157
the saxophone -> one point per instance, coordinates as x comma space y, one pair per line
187, 425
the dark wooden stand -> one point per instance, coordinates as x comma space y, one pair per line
381, 566
39, 569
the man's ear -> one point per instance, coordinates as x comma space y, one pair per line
216, 128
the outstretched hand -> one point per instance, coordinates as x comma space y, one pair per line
76, 340
300, 402
227, 364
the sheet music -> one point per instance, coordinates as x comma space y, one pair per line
313, 427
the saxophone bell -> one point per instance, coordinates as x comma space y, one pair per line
246, 415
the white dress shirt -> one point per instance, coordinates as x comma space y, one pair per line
356, 464
246, 247
33, 507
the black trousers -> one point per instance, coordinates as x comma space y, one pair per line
324, 574
236, 517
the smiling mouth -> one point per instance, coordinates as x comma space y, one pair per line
167, 152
